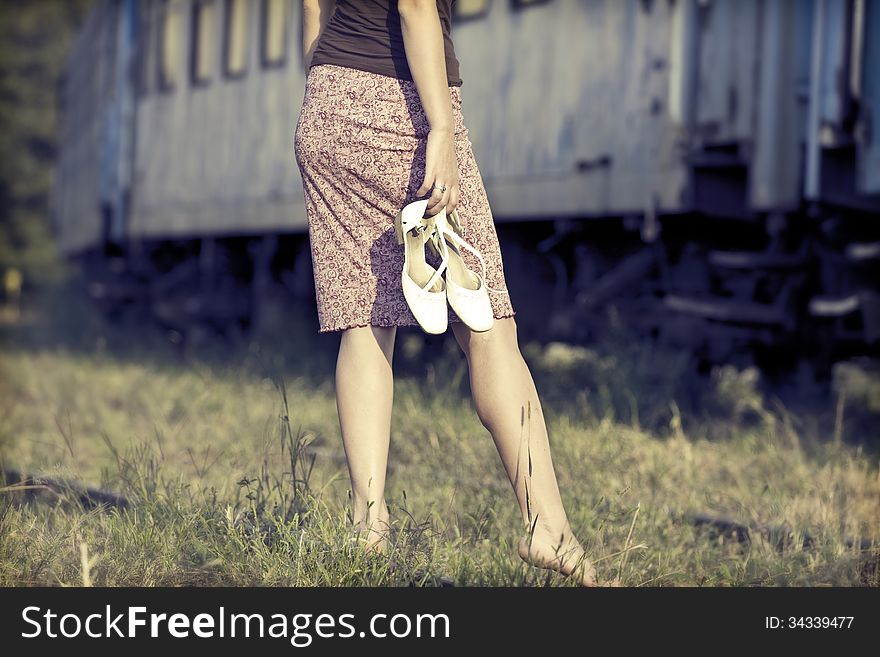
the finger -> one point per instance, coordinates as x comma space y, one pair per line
446, 201
441, 202
453, 199
435, 203
447, 198
426, 184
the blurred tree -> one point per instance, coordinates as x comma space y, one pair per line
34, 40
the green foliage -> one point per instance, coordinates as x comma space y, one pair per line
34, 40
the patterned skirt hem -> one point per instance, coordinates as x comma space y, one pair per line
343, 327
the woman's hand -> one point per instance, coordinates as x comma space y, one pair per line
441, 168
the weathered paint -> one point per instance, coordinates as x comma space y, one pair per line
76, 194
777, 159
728, 57
219, 158
575, 108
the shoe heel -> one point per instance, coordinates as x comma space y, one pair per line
398, 227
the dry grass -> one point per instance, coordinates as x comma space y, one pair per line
232, 485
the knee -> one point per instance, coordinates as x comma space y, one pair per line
502, 335
501, 338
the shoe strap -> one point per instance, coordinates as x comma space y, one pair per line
453, 235
412, 218
430, 235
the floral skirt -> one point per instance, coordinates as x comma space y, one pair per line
360, 146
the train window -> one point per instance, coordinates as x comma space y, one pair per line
202, 40
169, 44
466, 9
235, 38
273, 29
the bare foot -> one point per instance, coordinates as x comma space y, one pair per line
567, 558
374, 537
371, 541
375, 541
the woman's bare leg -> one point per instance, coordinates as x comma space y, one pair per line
364, 395
508, 406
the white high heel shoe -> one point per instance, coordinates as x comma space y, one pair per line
466, 291
423, 286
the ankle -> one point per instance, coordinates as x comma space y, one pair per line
550, 532
370, 515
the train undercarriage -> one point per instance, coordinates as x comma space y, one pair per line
771, 290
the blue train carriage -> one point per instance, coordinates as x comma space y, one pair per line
707, 167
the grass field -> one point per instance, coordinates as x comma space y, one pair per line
233, 466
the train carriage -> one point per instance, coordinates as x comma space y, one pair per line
714, 161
